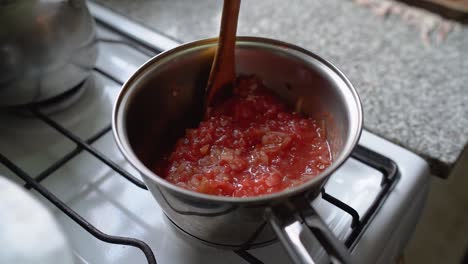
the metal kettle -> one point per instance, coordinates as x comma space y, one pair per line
47, 47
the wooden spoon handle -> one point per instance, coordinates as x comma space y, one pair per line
223, 70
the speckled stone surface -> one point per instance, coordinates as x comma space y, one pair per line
413, 95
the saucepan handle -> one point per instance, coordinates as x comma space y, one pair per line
299, 232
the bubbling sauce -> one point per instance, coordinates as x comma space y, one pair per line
249, 145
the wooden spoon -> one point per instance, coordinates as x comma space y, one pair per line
223, 69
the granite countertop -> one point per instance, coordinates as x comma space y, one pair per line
413, 94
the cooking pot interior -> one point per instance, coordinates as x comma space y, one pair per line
169, 93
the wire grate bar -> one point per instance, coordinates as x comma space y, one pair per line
108, 76
99, 134
381, 163
90, 149
47, 172
390, 175
128, 43
248, 257
348, 209
75, 216
55, 166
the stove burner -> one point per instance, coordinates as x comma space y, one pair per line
55, 104
60, 102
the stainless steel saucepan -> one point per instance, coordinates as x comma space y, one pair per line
164, 97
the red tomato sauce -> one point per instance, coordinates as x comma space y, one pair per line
249, 145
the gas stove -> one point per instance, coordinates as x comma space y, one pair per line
69, 159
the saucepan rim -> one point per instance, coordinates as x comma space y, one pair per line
123, 99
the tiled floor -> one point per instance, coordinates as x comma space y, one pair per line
442, 234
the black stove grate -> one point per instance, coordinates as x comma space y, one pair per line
34, 183
359, 224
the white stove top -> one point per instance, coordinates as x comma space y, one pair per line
117, 207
